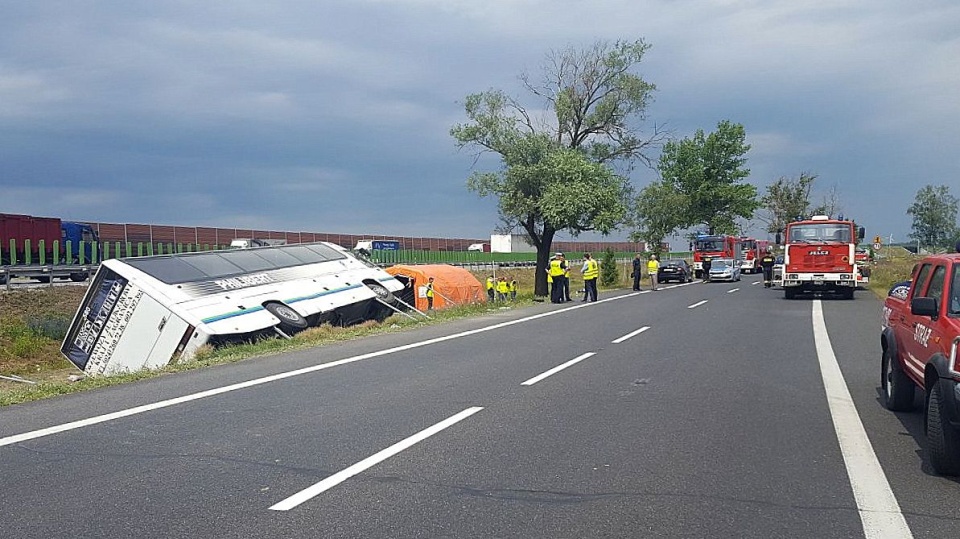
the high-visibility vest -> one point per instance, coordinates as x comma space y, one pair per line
503, 287
555, 269
593, 270
489, 283
652, 266
429, 290
513, 286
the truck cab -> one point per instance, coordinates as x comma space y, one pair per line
919, 340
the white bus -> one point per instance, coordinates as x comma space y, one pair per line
146, 312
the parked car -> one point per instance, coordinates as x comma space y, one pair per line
778, 271
675, 269
724, 269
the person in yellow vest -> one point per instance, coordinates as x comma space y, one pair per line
566, 279
430, 294
503, 288
555, 271
652, 268
513, 289
490, 288
590, 271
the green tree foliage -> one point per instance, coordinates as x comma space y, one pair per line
556, 172
934, 212
658, 213
609, 272
785, 200
700, 185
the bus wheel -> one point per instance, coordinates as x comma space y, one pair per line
78, 277
290, 320
381, 291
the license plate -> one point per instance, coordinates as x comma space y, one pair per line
818, 282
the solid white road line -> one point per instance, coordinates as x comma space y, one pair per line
697, 304
879, 511
557, 369
631, 334
754, 283
370, 461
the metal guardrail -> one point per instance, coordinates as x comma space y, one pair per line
45, 273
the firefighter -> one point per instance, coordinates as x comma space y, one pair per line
429, 294
706, 268
767, 263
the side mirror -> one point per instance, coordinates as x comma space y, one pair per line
861, 232
924, 307
779, 239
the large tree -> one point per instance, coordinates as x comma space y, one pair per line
700, 185
785, 200
557, 171
934, 212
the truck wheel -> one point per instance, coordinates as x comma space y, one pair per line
898, 389
290, 320
943, 445
848, 292
78, 277
789, 293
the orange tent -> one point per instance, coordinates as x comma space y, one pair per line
452, 285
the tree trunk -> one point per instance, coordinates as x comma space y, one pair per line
541, 288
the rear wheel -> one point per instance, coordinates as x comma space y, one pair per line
943, 445
789, 293
381, 292
290, 320
898, 389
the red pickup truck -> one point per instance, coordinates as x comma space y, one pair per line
920, 340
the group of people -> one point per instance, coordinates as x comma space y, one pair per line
558, 276
653, 267
501, 289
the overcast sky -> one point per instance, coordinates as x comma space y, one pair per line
334, 116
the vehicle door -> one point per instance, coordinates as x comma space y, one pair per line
927, 332
909, 334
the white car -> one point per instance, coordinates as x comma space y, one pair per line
724, 269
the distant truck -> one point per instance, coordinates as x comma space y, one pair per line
246, 243
45, 247
920, 338
511, 243
378, 245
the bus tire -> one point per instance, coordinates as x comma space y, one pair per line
290, 320
381, 292
78, 277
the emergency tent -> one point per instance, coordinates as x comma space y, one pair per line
452, 285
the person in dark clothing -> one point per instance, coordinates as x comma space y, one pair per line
706, 268
637, 264
555, 271
767, 263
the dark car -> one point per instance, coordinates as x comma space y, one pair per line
675, 269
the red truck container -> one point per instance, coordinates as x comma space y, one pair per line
18, 229
919, 340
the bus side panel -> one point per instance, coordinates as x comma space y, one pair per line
169, 327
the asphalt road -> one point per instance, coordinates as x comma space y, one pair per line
701, 410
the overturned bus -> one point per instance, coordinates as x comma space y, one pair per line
146, 312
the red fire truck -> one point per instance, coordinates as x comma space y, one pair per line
715, 246
753, 251
819, 256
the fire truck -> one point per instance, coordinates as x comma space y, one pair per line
753, 250
715, 246
819, 256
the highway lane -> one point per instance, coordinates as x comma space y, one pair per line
712, 422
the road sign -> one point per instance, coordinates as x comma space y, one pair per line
877, 240
877, 245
